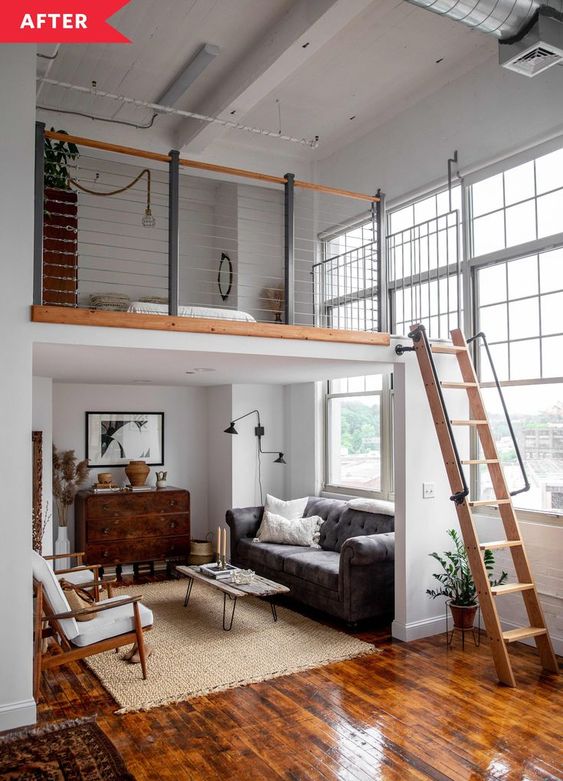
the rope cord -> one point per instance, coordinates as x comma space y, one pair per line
120, 189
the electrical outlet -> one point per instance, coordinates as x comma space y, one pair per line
428, 491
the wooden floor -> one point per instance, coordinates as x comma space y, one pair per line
414, 711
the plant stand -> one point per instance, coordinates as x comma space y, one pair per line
475, 630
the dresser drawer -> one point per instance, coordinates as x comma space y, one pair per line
129, 552
132, 505
124, 528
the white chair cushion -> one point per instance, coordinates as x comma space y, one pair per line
111, 623
43, 573
77, 578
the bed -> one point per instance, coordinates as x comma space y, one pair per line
208, 312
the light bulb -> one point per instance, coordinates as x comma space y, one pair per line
148, 220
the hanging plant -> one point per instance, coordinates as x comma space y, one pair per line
58, 156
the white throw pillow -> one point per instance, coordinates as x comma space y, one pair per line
291, 510
298, 531
377, 506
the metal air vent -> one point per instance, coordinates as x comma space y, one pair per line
539, 49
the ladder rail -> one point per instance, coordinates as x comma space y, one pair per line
418, 333
483, 339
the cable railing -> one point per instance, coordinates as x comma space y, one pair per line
126, 231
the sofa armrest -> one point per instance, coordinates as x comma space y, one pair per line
243, 522
368, 549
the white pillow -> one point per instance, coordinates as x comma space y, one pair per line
377, 506
291, 510
299, 531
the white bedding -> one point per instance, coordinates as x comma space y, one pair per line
209, 312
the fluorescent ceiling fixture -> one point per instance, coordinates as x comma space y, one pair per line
189, 74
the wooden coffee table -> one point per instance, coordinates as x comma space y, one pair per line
260, 587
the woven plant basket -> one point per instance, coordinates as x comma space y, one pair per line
201, 552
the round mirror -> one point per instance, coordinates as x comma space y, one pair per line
225, 276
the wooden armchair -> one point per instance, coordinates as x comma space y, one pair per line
118, 621
82, 575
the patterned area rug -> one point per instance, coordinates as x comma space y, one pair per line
65, 751
192, 655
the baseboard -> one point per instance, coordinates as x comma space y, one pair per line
557, 641
417, 629
17, 714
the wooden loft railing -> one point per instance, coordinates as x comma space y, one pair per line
71, 312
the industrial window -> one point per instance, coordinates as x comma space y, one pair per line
517, 274
358, 436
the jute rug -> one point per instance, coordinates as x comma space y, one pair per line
64, 751
192, 655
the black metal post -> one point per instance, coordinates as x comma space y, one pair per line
382, 300
38, 209
173, 230
289, 249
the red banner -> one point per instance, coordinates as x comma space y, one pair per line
60, 21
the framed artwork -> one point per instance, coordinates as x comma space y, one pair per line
115, 438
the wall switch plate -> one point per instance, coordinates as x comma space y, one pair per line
428, 491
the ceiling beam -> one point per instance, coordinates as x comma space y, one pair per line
298, 35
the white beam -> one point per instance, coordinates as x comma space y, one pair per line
268, 64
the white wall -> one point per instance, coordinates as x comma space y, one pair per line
268, 399
185, 434
42, 420
219, 454
303, 436
17, 97
260, 246
420, 524
486, 113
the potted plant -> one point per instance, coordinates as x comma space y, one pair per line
60, 224
457, 584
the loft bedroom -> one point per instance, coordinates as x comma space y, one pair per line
230, 250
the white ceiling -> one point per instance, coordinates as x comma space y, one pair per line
133, 366
389, 56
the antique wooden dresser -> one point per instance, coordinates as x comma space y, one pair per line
133, 527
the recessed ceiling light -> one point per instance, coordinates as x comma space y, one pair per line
304, 46
440, 60
353, 117
234, 111
203, 369
142, 382
190, 372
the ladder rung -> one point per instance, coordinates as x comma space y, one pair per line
483, 502
498, 544
459, 385
511, 588
448, 348
512, 635
481, 461
468, 422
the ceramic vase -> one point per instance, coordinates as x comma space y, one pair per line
62, 545
137, 472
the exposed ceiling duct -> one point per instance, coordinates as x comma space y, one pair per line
530, 33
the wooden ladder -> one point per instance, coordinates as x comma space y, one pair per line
525, 585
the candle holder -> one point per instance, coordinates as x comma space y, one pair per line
221, 562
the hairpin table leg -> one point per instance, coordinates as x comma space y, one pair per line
234, 601
188, 591
274, 609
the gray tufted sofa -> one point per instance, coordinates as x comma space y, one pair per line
351, 577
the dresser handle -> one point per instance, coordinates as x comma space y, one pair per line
105, 506
105, 531
172, 502
172, 524
105, 554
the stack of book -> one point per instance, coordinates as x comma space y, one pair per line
215, 571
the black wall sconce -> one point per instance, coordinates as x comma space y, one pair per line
259, 432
